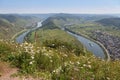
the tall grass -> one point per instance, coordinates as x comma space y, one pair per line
50, 63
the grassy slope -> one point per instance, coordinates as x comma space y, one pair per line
53, 34
110, 22
7, 30
88, 28
57, 37
55, 58
11, 24
51, 64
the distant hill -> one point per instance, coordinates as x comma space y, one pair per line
7, 29
110, 22
62, 19
20, 20
12, 23
41, 16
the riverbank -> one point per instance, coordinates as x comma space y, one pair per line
104, 49
107, 56
21, 35
17, 34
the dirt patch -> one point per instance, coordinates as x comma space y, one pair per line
7, 72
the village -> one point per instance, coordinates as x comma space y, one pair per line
112, 43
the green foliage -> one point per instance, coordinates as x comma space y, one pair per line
49, 25
51, 63
64, 46
22, 61
5, 50
47, 62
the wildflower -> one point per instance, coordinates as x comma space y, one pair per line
38, 47
31, 47
26, 50
84, 65
70, 62
31, 62
26, 43
50, 57
32, 52
46, 54
76, 69
21, 45
65, 55
108, 78
81, 67
51, 61
89, 62
89, 66
78, 62
13, 41
53, 71
63, 46
103, 60
53, 44
65, 64
44, 49
50, 51
26, 47
58, 69
32, 57
37, 51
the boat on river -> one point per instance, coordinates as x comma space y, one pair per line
91, 44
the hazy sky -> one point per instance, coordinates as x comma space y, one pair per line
60, 6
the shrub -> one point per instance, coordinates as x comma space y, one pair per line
64, 46
46, 61
25, 63
6, 49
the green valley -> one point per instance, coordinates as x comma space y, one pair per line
50, 53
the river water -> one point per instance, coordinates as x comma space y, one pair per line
90, 45
20, 38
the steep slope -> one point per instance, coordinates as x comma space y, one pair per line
62, 19
48, 63
7, 29
10, 24
110, 22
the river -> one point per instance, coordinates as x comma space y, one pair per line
20, 38
90, 45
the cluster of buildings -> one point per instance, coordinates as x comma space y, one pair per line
112, 43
